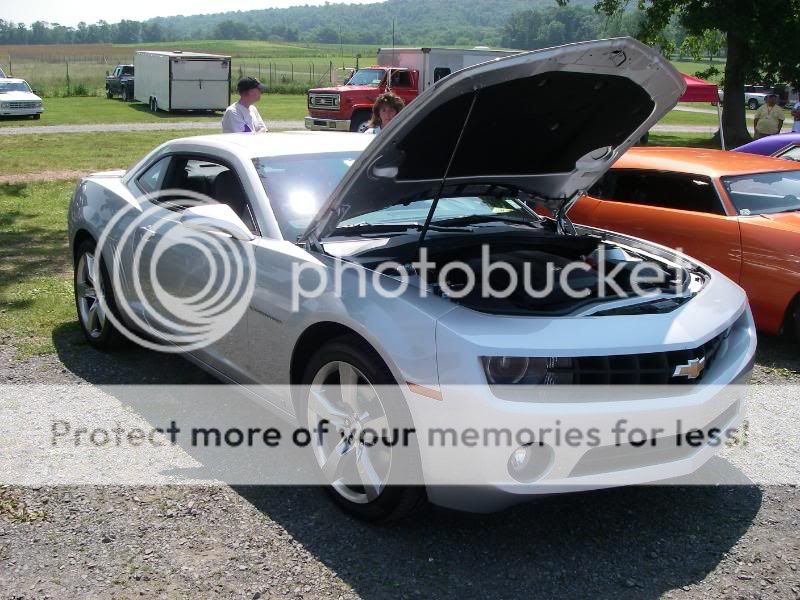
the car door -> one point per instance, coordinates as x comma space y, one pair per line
190, 278
679, 210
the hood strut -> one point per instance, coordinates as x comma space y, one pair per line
438, 195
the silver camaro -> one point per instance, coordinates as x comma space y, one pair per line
294, 259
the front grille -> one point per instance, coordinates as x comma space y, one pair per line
323, 101
23, 104
654, 368
653, 451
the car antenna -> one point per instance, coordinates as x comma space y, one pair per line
439, 192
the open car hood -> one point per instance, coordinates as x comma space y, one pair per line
548, 122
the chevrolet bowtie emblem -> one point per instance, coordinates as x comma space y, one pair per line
692, 370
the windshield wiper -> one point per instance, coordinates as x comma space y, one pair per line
467, 220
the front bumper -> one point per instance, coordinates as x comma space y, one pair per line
480, 478
20, 112
316, 124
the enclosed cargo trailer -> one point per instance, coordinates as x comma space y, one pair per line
178, 80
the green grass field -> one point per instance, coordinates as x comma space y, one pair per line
93, 109
35, 275
79, 152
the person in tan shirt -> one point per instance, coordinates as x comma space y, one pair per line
769, 118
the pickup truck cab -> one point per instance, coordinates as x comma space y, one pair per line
406, 72
120, 82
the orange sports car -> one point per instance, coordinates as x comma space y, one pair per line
738, 213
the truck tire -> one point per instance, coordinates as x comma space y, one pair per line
360, 121
752, 104
109, 95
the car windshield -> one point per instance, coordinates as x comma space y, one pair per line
764, 193
14, 86
458, 210
371, 77
298, 185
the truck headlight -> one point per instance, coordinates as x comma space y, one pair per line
4, 105
510, 370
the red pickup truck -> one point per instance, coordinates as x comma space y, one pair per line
405, 71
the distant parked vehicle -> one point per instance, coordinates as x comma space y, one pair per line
2, 73
120, 82
182, 80
756, 95
405, 71
18, 100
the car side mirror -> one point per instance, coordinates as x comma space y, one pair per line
216, 218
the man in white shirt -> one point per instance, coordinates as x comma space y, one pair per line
242, 116
796, 115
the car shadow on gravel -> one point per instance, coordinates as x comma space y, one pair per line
629, 542
130, 365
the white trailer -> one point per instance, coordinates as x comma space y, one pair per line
435, 63
182, 80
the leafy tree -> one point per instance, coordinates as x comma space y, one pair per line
760, 36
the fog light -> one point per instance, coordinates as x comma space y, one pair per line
530, 462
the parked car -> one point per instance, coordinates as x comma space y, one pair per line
18, 100
2, 73
121, 82
404, 71
331, 200
784, 145
734, 211
754, 95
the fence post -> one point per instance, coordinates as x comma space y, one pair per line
291, 63
330, 71
259, 71
66, 62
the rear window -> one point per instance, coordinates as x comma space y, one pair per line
676, 191
764, 193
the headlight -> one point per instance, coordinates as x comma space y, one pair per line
38, 105
509, 370
4, 105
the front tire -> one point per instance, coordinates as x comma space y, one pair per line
89, 284
360, 122
752, 104
355, 409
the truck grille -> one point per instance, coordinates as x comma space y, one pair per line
330, 101
30, 104
655, 368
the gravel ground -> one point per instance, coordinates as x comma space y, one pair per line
218, 541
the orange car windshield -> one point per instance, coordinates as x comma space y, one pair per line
764, 193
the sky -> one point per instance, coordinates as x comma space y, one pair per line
112, 11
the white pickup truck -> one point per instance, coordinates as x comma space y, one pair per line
18, 100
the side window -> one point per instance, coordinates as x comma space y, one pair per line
401, 79
151, 180
440, 73
215, 180
664, 190
791, 154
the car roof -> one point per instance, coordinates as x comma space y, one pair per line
698, 161
11, 80
281, 143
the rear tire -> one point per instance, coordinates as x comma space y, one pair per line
752, 104
109, 95
794, 319
347, 357
37, 117
97, 327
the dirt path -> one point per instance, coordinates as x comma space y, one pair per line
42, 176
